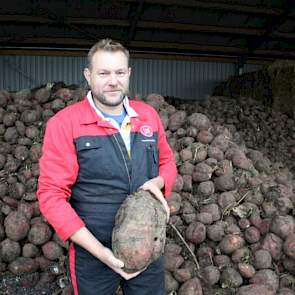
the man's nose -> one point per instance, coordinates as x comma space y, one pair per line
113, 79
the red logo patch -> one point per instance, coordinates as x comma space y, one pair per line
146, 131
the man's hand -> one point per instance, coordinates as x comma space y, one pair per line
155, 185
116, 265
85, 239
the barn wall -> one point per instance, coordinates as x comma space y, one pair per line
185, 79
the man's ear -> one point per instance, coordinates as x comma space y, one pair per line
87, 74
129, 71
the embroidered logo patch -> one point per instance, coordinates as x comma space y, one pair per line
146, 131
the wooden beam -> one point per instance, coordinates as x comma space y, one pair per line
45, 40
148, 46
148, 25
71, 20
263, 10
138, 44
140, 24
218, 50
199, 28
98, 21
283, 35
187, 46
133, 55
21, 18
180, 27
272, 52
134, 17
271, 26
196, 58
136, 55
44, 52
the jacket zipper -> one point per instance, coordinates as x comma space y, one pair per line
122, 154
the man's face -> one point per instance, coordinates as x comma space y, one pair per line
108, 77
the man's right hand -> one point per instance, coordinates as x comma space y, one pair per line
84, 238
116, 264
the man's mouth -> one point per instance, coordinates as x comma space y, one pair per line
113, 91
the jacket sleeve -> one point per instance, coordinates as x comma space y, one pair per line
58, 172
167, 166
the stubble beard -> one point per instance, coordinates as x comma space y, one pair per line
101, 98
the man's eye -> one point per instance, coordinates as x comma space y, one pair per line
121, 73
102, 74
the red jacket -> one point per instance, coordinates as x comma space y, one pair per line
85, 170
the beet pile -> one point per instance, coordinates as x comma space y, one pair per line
233, 208
29, 248
232, 229
258, 125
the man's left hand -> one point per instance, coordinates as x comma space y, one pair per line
155, 185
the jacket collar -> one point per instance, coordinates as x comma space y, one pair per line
93, 115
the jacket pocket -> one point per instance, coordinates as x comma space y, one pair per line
85, 144
153, 160
95, 158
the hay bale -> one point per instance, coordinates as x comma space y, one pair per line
282, 74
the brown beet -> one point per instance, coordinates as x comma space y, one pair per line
246, 270
23, 265
196, 232
262, 259
289, 246
16, 226
170, 283
191, 287
173, 262
9, 250
39, 233
266, 277
256, 289
52, 250
230, 243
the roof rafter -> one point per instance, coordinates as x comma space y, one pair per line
134, 16
263, 10
271, 26
62, 19
146, 46
73, 21
189, 27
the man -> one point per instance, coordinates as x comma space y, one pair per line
94, 154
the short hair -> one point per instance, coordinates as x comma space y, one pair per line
106, 45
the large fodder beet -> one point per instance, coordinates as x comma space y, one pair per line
139, 233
